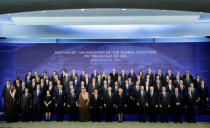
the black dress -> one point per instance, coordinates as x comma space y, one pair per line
47, 99
120, 102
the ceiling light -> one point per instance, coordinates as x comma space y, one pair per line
124, 9
43, 11
82, 9
164, 10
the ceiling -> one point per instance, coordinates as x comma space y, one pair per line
13, 6
104, 19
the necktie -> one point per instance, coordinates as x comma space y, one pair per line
176, 95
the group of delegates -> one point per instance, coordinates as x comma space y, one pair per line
102, 94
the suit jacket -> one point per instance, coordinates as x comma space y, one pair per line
114, 77
72, 77
161, 76
123, 77
66, 81
82, 77
26, 101
109, 101
95, 103
190, 102
4, 93
151, 76
171, 77
197, 83
168, 89
128, 91
91, 88
153, 100
37, 99
142, 99
203, 92
72, 100
164, 101
132, 76
94, 76
60, 99
175, 99
187, 82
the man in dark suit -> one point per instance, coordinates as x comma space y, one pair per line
99, 80
164, 104
72, 98
114, 75
60, 103
132, 75
29, 76
160, 74
176, 81
87, 81
153, 104
103, 88
171, 76
203, 94
176, 104
188, 73
182, 88
76, 81
170, 87
43, 86
93, 85
148, 79
26, 105
123, 75
73, 75
190, 105
96, 105
70, 87
37, 103
63, 75
109, 81
109, 104
197, 81
94, 74
187, 80
4, 93
141, 104
158, 87
66, 80
82, 76
149, 72
128, 92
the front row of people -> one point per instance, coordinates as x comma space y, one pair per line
142, 103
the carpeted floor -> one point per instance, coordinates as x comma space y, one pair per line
66, 124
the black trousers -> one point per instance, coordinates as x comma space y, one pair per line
95, 113
26, 114
164, 114
177, 113
60, 111
152, 111
190, 114
73, 114
141, 113
36, 112
109, 114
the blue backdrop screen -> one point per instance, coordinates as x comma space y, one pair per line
18, 59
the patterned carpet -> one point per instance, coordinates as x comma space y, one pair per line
66, 124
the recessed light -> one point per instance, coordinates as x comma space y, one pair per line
43, 11
124, 9
201, 12
82, 9
164, 10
